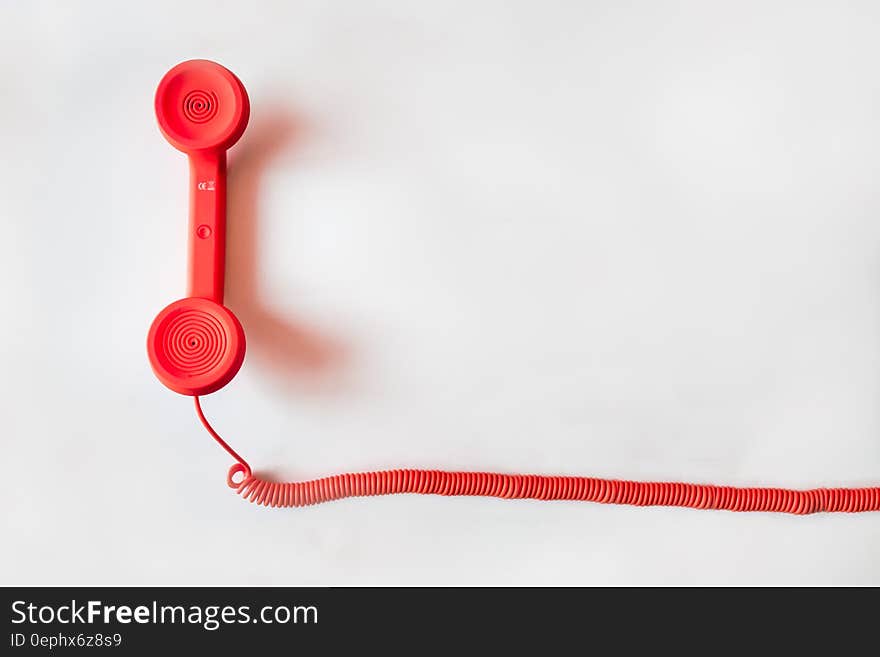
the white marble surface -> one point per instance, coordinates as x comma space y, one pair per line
554, 237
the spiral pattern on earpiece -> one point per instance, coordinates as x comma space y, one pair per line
200, 106
194, 342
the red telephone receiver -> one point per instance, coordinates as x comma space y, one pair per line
196, 345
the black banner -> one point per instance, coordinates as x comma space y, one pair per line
411, 620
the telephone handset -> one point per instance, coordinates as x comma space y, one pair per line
196, 345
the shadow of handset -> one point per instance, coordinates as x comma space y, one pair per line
286, 347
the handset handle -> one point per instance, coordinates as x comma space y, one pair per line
207, 224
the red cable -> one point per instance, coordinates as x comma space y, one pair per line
540, 487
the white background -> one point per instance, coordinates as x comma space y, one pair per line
618, 239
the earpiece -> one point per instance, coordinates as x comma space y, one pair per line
196, 345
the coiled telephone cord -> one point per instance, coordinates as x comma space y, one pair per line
540, 487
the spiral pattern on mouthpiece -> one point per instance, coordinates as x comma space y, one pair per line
200, 106
194, 342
